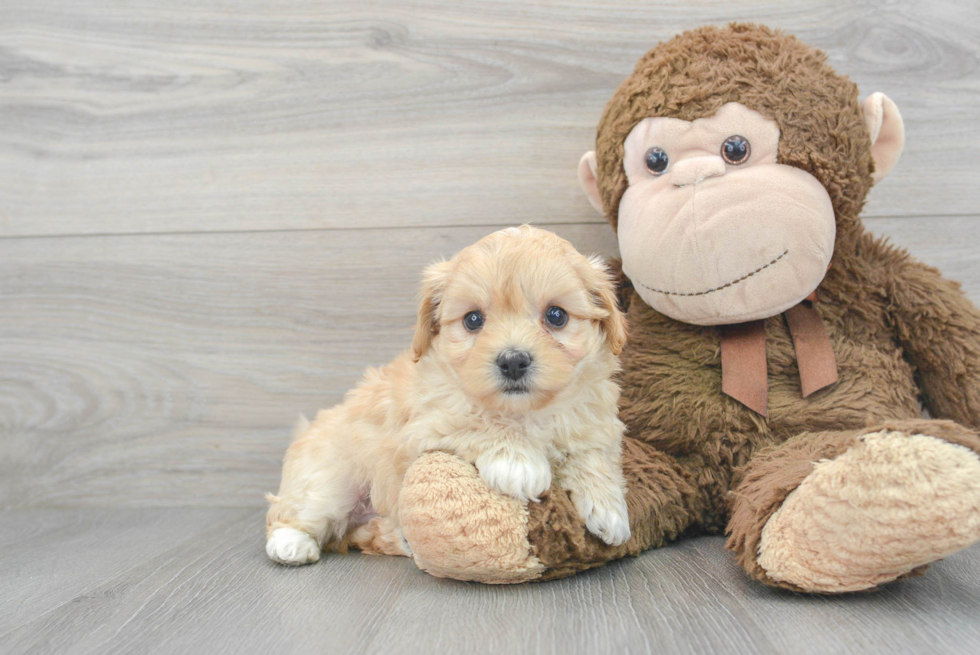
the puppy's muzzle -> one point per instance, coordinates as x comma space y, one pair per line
514, 364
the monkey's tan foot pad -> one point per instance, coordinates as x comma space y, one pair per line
890, 504
459, 528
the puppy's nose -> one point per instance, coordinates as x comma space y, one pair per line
514, 363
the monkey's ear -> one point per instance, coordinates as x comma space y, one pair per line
434, 281
586, 176
887, 132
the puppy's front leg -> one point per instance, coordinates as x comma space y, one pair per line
594, 481
514, 468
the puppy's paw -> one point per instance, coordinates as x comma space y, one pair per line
524, 476
291, 546
605, 516
380, 536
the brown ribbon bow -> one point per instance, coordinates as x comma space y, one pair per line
743, 356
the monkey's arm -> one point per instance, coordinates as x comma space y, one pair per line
458, 528
939, 329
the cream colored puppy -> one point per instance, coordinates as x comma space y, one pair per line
511, 368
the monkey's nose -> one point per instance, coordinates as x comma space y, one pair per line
514, 363
695, 170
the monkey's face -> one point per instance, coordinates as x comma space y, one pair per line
712, 230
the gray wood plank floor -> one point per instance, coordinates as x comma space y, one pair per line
188, 581
212, 218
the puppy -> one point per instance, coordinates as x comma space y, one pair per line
511, 368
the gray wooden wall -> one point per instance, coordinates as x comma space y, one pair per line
213, 214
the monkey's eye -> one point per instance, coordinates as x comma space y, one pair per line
657, 160
736, 150
473, 321
556, 317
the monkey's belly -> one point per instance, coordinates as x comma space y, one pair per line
875, 385
672, 395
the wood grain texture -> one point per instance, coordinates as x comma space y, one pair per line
146, 117
166, 370
51, 557
210, 589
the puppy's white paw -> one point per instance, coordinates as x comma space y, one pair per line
605, 516
291, 546
524, 476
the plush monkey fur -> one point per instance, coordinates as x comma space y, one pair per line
871, 491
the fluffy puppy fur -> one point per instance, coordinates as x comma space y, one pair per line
496, 375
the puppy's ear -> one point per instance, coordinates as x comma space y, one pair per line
434, 281
602, 288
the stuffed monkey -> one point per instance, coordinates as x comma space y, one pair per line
778, 353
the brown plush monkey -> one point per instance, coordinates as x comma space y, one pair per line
734, 163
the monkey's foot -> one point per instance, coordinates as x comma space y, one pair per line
459, 528
890, 504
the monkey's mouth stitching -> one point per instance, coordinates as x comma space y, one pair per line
724, 286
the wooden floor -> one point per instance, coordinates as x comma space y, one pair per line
212, 218
196, 581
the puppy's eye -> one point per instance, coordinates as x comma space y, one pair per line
556, 317
473, 321
736, 150
656, 160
